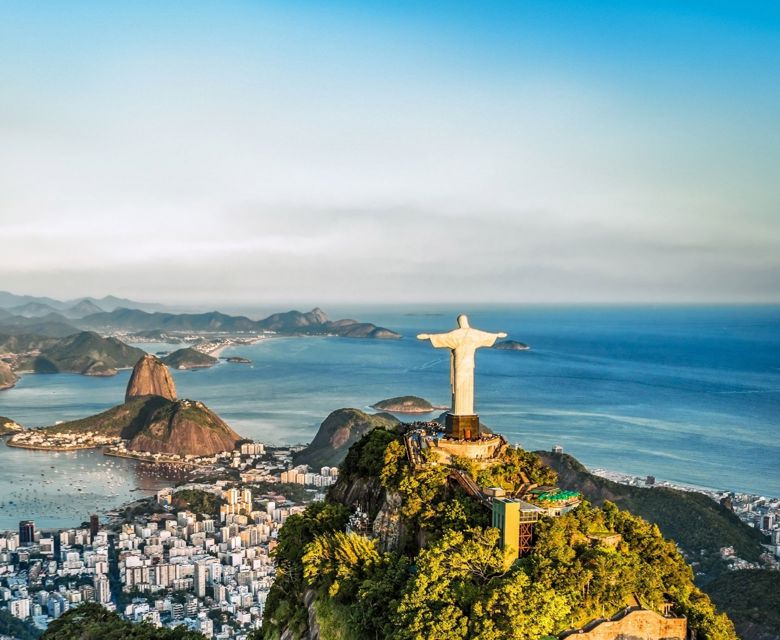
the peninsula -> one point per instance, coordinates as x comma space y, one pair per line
151, 424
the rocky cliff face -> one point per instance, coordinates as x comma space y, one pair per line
7, 377
150, 377
184, 427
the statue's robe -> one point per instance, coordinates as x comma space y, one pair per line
463, 344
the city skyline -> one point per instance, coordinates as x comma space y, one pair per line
237, 153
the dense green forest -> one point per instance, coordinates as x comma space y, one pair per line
455, 585
752, 598
197, 501
11, 626
698, 524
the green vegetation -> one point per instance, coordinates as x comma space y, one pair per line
338, 432
199, 502
9, 427
285, 606
125, 420
445, 578
405, 404
11, 626
189, 358
698, 524
367, 456
145, 507
460, 590
517, 468
91, 621
22, 343
294, 492
84, 352
752, 598
597, 580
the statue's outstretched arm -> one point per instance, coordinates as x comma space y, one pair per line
440, 340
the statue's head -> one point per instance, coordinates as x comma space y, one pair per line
463, 321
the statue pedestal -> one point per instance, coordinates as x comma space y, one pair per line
462, 427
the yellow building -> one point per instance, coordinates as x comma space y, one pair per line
515, 520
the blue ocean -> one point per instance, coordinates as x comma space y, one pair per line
687, 394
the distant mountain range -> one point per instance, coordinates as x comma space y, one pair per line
20, 314
314, 322
33, 306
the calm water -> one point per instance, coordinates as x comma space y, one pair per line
690, 395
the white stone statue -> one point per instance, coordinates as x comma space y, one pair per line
462, 343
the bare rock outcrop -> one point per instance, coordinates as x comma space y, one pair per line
150, 377
388, 526
7, 377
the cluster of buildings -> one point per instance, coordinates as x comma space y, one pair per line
301, 475
759, 512
44, 574
245, 457
755, 511
210, 572
42, 439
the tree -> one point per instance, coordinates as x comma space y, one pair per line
450, 573
339, 561
91, 621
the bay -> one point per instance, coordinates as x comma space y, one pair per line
687, 394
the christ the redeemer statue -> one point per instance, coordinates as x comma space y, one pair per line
462, 343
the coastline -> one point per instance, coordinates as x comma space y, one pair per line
32, 447
640, 481
145, 458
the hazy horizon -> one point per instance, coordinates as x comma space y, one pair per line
243, 154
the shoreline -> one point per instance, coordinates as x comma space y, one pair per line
145, 459
620, 477
639, 481
615, 476
32, 447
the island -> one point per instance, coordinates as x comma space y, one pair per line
406, 404
238, 360
189, 358
511, 345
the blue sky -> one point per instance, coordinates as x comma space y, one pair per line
359, 151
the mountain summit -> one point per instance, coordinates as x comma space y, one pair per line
150, 377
